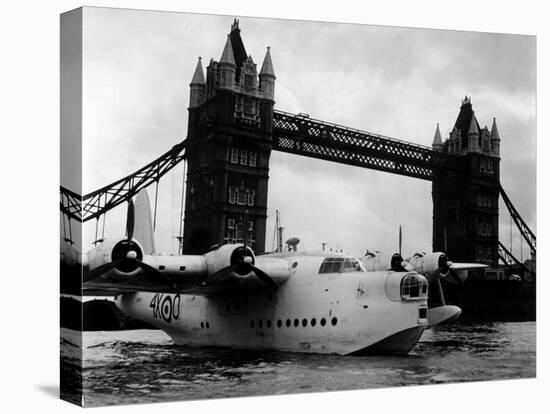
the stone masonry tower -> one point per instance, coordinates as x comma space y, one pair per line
465, 215
228, 149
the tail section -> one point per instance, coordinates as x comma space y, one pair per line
143, 228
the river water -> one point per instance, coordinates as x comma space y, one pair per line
125, 367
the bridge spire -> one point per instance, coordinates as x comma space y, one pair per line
227, 66
437, 144
267, 66
227, 54
267, 76
197, 85
198, 76
473, 135
495, 139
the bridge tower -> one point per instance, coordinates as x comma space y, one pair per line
228, 148
465, 206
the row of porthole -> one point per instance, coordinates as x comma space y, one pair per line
205, 325
260, 323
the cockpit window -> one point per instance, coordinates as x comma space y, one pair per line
340, 265
352, 265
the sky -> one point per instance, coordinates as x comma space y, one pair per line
398, 82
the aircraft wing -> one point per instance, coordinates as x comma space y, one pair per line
460, 271
190, 275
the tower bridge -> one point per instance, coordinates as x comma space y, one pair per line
233, 127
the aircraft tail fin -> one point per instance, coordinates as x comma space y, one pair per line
143, 227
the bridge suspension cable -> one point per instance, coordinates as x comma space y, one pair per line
97, 203
510, 260
525, 231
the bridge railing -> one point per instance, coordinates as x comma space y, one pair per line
302, 135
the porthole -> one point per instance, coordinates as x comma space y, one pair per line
294, 265
268, 323
279, 323
334, 321
207, 325
304, 322
296, 323
252, 324
260, 324
162, 267
288, 323
323, 322
202, 325
313, 322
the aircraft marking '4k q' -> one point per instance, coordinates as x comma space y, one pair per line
293, 301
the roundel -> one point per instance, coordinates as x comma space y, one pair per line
166, 309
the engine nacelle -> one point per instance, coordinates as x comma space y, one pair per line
429, 263
229, 255
112, 250
377, 262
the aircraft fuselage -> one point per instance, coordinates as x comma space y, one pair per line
342, 313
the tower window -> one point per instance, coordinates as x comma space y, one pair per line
234, 155
252, 159
249, 80
248, 107
244, 157
241, 197
233, 195
250, 197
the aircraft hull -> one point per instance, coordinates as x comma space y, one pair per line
325, 313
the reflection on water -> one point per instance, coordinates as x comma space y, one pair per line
144, 366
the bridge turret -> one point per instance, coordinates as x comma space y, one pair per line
437, 144
473, 135
227, 67
267, 76
495, 139
198, 86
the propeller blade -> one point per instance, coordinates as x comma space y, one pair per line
151, 270
98, 271
220, 274
147, 268
456, 278
130, 220
400, 239
265, 278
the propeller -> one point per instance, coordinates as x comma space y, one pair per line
242, 263
126, 255
396, 262
444, 268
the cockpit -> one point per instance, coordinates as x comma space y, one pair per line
341, 265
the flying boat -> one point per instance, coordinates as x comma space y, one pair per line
317, 302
